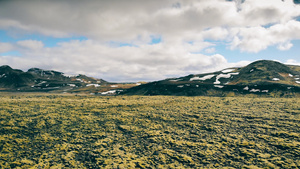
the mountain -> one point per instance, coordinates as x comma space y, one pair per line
262, 72
260, 77
263, 77
39, 80
14, 78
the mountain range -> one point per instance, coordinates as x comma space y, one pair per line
263, 77
39, 80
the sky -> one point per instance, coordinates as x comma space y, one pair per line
139, 40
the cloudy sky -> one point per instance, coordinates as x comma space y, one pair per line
145, 40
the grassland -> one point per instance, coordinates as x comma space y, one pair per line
68, 131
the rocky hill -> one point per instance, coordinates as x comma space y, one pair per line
260, 77
39, 80
14, 78
263, 77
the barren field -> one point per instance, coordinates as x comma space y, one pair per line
69, 131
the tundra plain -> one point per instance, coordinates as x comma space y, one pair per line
85, 131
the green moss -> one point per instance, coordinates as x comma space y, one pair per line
67, 131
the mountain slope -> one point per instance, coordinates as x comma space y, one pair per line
36, 79
260, 77
261, 72
40, 80
13, 78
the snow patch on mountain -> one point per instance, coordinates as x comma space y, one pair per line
95, 85
235, 73
202, 78
79, 80
110, 92
69, 75
227, 70
224, 76
219, 86
175, 80
254, 90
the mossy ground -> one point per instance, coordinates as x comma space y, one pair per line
68, 131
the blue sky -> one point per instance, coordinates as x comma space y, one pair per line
271, 53
150, 40
49, 41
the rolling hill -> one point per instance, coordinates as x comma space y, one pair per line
39, 80
263, 77
259, 77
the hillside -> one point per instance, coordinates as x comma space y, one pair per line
260, 77
263, 71
39, 80
263, 77
14, 78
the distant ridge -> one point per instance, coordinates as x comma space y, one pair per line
39, 80
263, 77
14, 78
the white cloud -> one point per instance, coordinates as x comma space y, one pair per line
216, 33
186, 28
257, 12
292, 62
30, 44
255, 39
5, 47
128, 63
137, 20
251, 39
285, 46
210, 50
